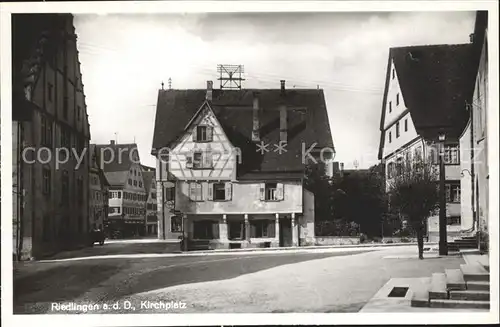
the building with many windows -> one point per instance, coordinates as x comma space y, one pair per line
426, 92
127, 194
234, 162
99, 186
49, 113
151, 221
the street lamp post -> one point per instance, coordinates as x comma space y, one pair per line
443, 238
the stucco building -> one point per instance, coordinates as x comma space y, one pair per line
474, 140
98, 188
127, 195
426, 92
50, 205
231, 164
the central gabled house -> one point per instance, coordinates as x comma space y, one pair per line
231, 163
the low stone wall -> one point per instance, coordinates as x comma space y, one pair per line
337, 240
399, 239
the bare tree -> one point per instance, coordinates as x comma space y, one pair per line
414, 192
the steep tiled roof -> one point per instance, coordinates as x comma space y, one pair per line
118, 157
436, 82
233, 109
116, 178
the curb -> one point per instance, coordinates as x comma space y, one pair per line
316, 247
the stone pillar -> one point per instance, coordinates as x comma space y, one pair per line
295, 234
223, 236
247, 228
277, 230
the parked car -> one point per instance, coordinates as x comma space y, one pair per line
97, 236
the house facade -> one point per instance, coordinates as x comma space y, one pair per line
50, 137
151, 221
99, 187
425, 92
474, 140
234, 164
127, 194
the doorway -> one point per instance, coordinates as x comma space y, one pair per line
285, 232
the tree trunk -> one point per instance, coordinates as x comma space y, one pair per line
420, 240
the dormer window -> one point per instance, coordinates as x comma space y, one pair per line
202, 133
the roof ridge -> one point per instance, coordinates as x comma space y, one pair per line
431, 46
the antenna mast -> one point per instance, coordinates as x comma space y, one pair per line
230, 76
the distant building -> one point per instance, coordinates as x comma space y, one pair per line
426, 92
151, 220
474, 140
49, 112
127, 194
231, 185
99, 187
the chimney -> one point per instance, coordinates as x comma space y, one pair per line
282, 87
471, 38
210, 85
112, 142
255, 118
283, 124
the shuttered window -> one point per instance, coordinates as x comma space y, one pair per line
219, 191
271, 192
195, 192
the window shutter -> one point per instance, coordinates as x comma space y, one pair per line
229, 187
210, 191
189, 160
191, 191
210, 131
200, 196
207, 159
279, 191
271, 228
195, 134
262, 191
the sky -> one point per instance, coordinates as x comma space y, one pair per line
125, 58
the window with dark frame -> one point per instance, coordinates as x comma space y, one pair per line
201, 133
219, 190
397, 99
406, 125
397, 129
169, 193
452, 155
393, 73
390, 106
262, 228
390, 137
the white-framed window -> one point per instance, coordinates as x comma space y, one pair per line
271, 191
452, 155
195, 191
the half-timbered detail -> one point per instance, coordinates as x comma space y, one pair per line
231, 165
